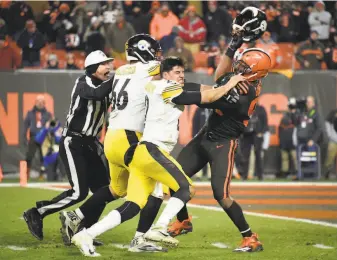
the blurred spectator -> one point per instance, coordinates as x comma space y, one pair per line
38, 7
62, 25
287, 146
9, 59
273, 14
3, 27
192, 29
180, 51
163, 22
268, 45
178, 7
71, 62
48, 139
330, 123
4, 10
286, 29
309, 128
117, 36
141, 21
31, 41
19, 13
300, 20
215, 51
310, 53
35, 120
109, 10
53, 62
217, 22
80, 17
167, 42
319, 20
330, 54
72, 39
94, 36
256, 134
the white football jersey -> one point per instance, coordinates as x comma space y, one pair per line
162, 116
128, 95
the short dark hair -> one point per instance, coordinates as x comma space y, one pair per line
169, 63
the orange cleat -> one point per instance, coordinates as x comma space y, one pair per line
179, 228
250, 244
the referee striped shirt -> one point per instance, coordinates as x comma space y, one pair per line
89, 103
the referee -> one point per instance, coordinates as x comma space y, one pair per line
80, 150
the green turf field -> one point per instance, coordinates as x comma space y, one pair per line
282, 239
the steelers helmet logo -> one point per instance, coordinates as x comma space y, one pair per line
263, 25
143, 45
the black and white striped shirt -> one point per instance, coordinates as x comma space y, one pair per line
89, 104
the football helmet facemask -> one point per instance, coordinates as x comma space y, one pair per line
143, 48
250, 24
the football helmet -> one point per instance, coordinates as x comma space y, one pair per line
252, 62
142, 47
250, 24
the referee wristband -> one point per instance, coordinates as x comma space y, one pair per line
230, 53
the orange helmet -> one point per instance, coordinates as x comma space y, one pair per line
253, 62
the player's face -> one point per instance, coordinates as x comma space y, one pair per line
176, 74
103, 70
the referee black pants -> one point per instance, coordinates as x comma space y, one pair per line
86, 169
220, 154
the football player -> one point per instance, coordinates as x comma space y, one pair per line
126, 124
150, 160
217, 142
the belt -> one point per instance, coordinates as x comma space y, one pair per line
67, 132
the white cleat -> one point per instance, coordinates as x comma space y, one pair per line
159, 234
139, 245
70, 223
85, 243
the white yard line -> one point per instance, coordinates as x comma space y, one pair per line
220, 245
308, 221
16, 248
323, 246
121, 246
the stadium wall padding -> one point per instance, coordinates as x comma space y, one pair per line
19, 89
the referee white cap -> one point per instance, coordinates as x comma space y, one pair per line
96, 57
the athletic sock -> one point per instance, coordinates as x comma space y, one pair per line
236, 215
94, 206
138, 234
113, 219
183, 213
148, 214
173, 206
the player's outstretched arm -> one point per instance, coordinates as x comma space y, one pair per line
226, 59
212, 95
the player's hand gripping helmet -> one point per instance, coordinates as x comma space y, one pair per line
142, 47
253, 63
250, 24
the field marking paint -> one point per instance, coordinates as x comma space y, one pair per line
323, 246
220, 245
213, 208
16, 248
121, 246
255, 214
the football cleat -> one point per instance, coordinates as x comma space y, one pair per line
70, 223
250, 244
34, 222
139, 244
179, 228
84, 242
159, 234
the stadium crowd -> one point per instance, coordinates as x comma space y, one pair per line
59, 34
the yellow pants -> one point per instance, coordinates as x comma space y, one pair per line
149, 165
116, 143
286, 157
332, 152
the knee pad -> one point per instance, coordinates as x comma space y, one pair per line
128, 210
116, 192
225, 203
